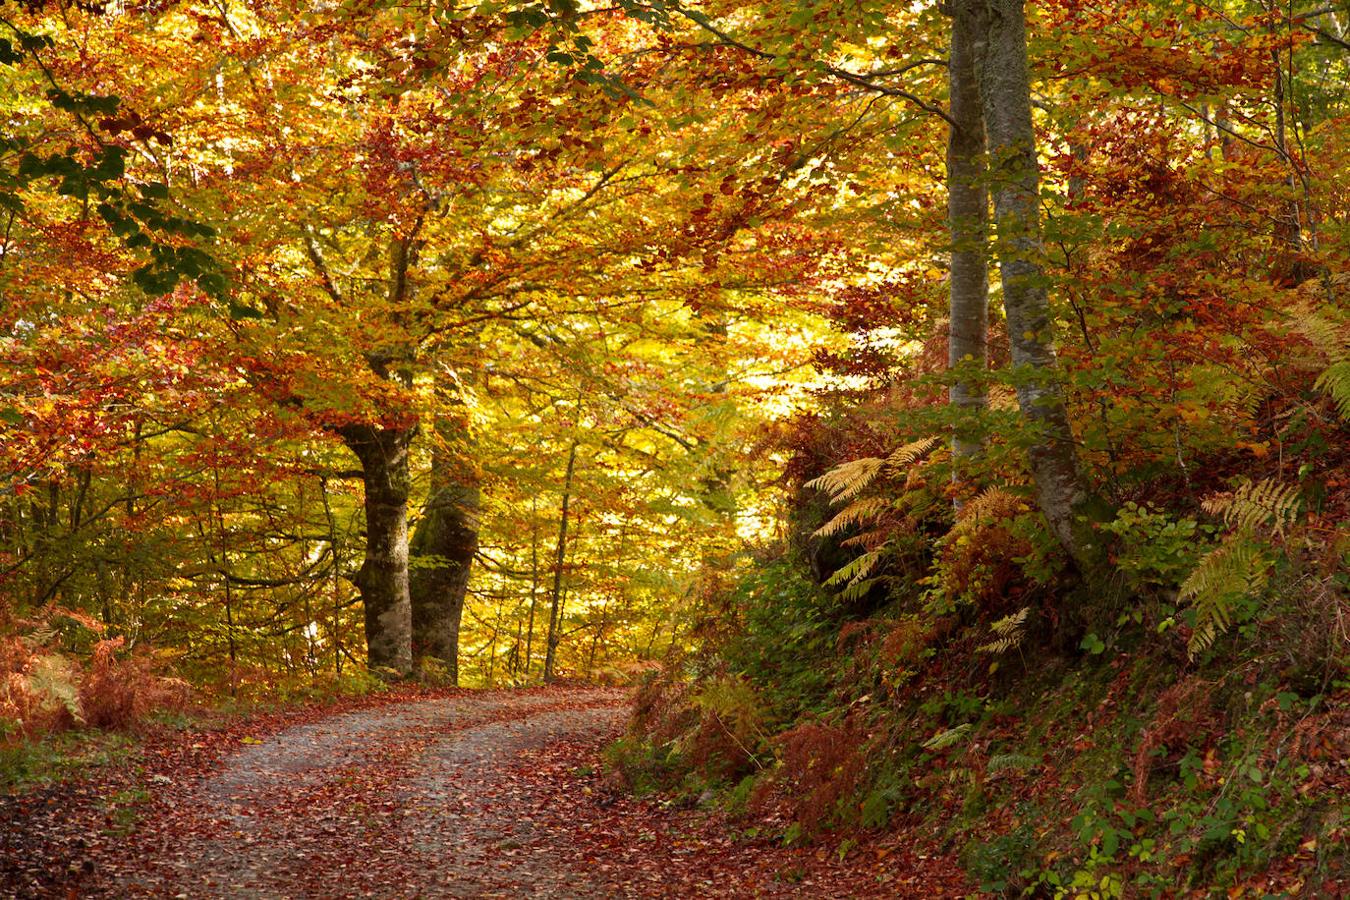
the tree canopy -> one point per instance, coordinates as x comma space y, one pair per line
507, 342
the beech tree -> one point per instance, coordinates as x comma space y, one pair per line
996, 30
968, 218
433, 230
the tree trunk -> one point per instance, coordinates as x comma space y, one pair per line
447, 539
1006, 89
383, 577
560, 557
968, 218
534, 580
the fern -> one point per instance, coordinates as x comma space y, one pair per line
992, 504
1332, 341
854, 514
857, 590
867, 540
1327, 337
947, 738
1008, 632
1238, 568
846, 481
856, 570
912, 452
1226, 575
1017, 762
1335, 382
1259, 504
55, 681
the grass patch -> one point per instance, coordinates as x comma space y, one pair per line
57, 757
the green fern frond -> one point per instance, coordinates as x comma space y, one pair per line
1335, 382
1226, 575
947, 738
846, 481
1017, 762
857, 590
855, 513
1257, 504
856, 570
1008, 632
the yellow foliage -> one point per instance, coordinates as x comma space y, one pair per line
1264, 503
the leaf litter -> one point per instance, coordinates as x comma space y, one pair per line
486, 794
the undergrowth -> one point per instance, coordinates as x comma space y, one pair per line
1192, 737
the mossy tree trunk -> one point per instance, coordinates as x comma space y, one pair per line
383, 577
442, 549
1001, 58
968, 218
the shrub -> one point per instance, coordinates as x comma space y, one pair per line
43, 690
981, 558
727, 740
118, 693
1184, 717
824, 765
1153, 548
38, 690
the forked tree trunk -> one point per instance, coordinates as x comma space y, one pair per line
968, 219
383, 578
1015, 175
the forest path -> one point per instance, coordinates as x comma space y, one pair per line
491, 794
417, 799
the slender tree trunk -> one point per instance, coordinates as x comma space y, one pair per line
222, 549
534, 581
1006, 94
968, 217
555, 605
1289, 230
383, 577
336, 581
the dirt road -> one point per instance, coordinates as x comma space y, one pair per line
403, 801
493, 794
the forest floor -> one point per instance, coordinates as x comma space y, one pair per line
460, 794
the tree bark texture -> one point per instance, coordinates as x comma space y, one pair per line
383, 577
968, 219
443, 547
1015, 177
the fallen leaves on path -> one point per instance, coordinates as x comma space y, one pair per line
458, 794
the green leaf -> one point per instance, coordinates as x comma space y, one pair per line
215, 284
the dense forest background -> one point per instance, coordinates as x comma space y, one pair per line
945, 405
